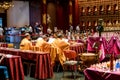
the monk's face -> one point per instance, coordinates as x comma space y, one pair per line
28, 37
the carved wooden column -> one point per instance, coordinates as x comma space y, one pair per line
70, 13
44, 15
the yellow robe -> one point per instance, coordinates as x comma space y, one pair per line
43, 45
25, 44
60, 45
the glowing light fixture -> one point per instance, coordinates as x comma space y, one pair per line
6, 5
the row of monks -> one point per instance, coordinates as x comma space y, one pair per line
55, 46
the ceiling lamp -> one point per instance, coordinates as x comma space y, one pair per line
6, 5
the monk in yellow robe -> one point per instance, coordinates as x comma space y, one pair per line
43, 44
60, 45
26, 43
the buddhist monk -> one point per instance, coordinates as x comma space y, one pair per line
26, 43
43, 44
61, 45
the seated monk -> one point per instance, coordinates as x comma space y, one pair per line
26, 43
61, 45
43, 44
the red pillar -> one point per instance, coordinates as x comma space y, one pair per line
62, 14
59, 15
44, 15
70, 13
76, 13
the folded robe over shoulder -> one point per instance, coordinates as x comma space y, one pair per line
61, 46
43, 45
25, 44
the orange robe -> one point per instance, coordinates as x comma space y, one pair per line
43, 45
25, 44
60, 45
